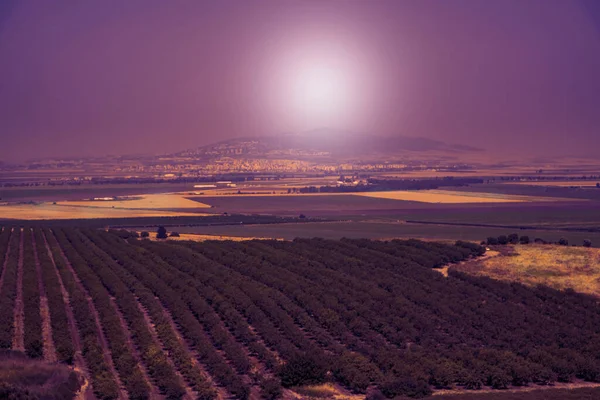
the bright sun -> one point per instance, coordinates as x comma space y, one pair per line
320, 93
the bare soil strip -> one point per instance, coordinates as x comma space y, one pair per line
191, 394
222, 393
19, 320
49, 349
78, 359
107, 357
154, 391
5, 262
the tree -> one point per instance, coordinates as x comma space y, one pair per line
563, 242
303, 370
302, 216
145, 234
161, 233
502, 239
587, 243
524, 240
513, 238
492, 240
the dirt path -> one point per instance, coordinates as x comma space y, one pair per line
191, 394
531, 388
154, 391
19, 320
105, 349
49, 349
488, 254
222, 393
78, 360
5, 262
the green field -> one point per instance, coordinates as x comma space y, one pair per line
381, 230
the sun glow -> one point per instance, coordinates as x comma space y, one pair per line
320, 93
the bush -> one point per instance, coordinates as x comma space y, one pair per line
563, 242
161, 233
303, 370
492, 240
174, 234
524, 240
587, 243
145, 234
513, 238
405, 387
502, 239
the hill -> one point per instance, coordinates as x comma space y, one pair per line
322, 143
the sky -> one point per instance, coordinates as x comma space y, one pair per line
103, 77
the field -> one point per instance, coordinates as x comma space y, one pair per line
146, 319
381, 229
560, 267
452, 197
146, 205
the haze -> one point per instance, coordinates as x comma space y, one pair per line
152, 76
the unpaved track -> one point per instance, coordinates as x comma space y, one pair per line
78, 360
190, 393
19, 320
49, 349
105, 349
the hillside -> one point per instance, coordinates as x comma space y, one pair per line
322, 143
257, 319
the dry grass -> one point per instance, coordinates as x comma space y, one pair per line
323, 391
51, 211
201, 238
560, 267
445, 196
150, 205
558, 183
163, 201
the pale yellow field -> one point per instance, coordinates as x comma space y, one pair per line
201, 238
162, 201
558, 183
560, 267
52, 211
445, 196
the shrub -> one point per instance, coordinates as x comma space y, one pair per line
145, 234
563, 242
174, 234
492, 240
524, 240
303, 370
161, 233
513, 238
587, 243
502, 239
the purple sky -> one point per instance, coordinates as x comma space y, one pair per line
151, 76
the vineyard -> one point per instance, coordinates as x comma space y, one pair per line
258, 319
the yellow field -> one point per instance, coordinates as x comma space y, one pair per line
560, 267
558, 183
201, 238
162, 201
446, 196
148, 205
54, 211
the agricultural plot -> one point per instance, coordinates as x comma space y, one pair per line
560, 267
379, 229
449, 197
213, 320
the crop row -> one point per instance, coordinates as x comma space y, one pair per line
181, 301
8, 290
57, 307
34, 345
102, 379
168, 337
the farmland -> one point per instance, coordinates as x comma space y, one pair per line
560, 267
146, 319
